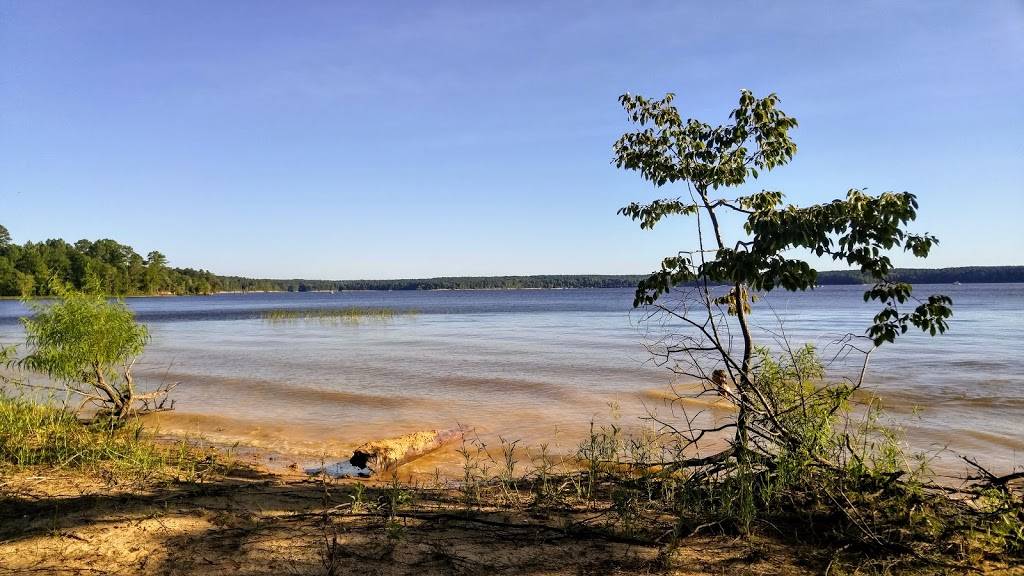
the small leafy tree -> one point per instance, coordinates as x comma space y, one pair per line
721, 277
90, 345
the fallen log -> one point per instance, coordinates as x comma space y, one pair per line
380, 455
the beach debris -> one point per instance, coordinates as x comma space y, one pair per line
344, 469
720, 380
380, 455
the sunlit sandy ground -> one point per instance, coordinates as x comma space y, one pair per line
265, 524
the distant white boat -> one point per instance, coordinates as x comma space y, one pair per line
957, 283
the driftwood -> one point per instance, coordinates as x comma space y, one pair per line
380, 455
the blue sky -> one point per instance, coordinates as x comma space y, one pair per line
409, 139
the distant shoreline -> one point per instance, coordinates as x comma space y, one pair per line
523, 289
117, 269
921, 276
964, 275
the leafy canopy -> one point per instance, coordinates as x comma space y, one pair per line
858, 230
82, 337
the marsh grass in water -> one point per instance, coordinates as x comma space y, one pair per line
336, 315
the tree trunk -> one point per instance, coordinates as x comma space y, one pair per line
117, 405
744, 385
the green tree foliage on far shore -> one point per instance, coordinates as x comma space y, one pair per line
552, 281
29, 269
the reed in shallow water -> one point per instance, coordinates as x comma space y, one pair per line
337, 315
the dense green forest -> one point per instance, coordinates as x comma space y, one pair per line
26, 270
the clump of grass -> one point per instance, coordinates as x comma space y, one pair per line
475, 470
336, 315
544, 468
41, 435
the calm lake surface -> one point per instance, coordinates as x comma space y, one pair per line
538, 365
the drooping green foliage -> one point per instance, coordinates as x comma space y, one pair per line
70, 338
87, 343
858, 231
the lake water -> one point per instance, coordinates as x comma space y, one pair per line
539, 365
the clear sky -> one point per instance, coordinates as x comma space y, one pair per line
408, 139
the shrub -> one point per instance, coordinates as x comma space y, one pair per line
90, 346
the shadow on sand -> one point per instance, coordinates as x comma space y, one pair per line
258, 523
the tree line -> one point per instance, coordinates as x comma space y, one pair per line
969, 274
28, 270
963, 274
